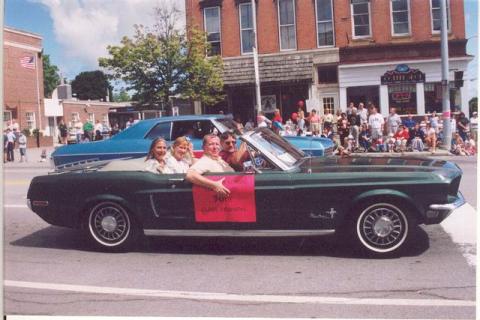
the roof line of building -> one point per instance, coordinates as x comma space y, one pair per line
26, 33
377, 63
290, 52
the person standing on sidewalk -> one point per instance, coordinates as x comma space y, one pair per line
474, 126
375, 123
393, 121
354, 121
10, 145
62, 127
22, 146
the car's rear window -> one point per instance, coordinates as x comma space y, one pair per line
162, 129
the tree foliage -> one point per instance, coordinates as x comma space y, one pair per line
93, 85
121, 96
51, 79
159, 62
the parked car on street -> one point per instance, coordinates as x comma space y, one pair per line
134, 141
374, 202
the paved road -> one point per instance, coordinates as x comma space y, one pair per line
48, 271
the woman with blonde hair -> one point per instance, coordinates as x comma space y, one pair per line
180, 156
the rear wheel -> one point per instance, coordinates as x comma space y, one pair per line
110, 227
383, 229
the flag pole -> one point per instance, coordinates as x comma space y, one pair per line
38, 95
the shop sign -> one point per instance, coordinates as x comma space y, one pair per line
403, 74
401, 96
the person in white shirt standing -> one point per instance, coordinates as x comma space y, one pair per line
375, 123
10, 144
363, 113
474, 126
393, 121
22, 146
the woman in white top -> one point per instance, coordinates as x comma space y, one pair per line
156, 157
180, 156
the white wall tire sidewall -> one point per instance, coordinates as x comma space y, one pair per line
100, 241
374, 249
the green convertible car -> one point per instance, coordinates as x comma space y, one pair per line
376, 202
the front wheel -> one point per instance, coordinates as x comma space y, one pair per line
383, 229
110, 227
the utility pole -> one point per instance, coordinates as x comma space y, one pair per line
258, 98
446, 115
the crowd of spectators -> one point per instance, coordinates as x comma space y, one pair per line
364, 129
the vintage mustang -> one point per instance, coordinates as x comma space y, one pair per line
376, 202
135, 141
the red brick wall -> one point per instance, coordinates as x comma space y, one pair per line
83, 110
21, 94
420, 17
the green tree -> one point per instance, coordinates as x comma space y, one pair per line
93, 85
51, 79
473, 105
121, 96
159, 62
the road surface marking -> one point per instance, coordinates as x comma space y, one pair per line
189, 295
15, 206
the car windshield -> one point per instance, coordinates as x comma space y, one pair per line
269, 142
228, 125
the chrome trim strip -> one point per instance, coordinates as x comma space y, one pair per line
236, 233
449, 206
152, 204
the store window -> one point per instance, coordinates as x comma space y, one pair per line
324, 23
403, 97
361, 18
437, 15
246, 27
211, 18
433, 97
400, 12
31, 123
286, 21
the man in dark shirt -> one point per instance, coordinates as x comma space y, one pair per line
409, 122
463, 126
235, 158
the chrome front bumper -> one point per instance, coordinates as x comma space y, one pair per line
436, 213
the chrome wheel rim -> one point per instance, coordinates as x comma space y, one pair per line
109, 224
382, 227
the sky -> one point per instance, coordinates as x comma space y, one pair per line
76, 32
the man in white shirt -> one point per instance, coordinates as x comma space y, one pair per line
363, 113
211, 161
10, 144
393, 121
375, 123
474, 126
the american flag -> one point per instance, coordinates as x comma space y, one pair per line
28, 62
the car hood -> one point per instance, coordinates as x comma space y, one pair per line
379, 164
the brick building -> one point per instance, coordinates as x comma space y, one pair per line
330, 52
23, 79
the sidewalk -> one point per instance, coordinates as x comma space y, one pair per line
33, 159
